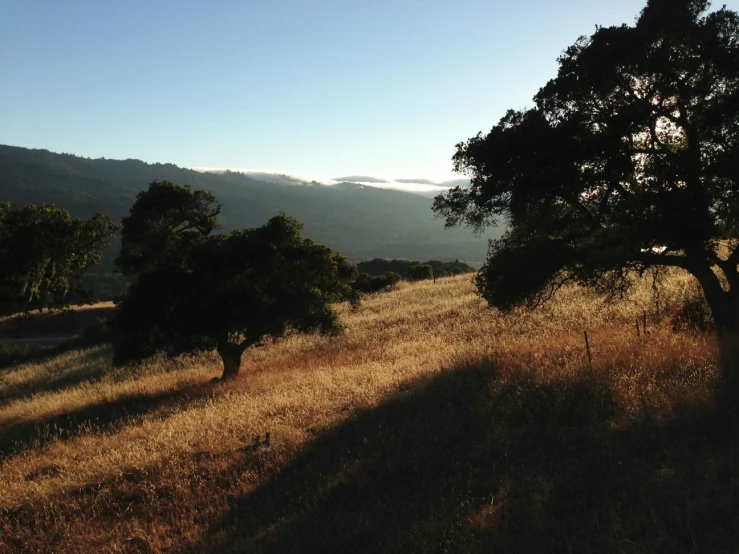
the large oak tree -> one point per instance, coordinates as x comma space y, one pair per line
629, 160
195, 290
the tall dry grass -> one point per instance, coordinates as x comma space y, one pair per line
481, 412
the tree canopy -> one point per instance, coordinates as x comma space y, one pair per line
42, 250
165, 221
629, 160
420, 272
374, 283
225, 291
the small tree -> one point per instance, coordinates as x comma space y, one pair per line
420, 272
43, 250
232, 291
628, 161
374, 283
391, 278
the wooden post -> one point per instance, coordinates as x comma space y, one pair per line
587, 348
644, 327
637, 328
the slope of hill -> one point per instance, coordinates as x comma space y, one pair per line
433, 424
358, 221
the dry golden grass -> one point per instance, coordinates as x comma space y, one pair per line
158, 458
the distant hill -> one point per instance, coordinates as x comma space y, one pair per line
359, 221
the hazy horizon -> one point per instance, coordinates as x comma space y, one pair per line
416, 185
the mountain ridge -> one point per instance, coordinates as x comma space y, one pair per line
359, 221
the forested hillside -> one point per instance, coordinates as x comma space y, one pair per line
358, 221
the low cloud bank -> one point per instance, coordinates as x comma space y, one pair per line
464, 183
425, 187
359, 179
417, 181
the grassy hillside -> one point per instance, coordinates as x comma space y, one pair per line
433, 424
360, 222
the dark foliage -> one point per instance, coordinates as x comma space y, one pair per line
165, 221
197, 291
380, 266
43, 253
368, 283
100, 287
421, 272
629, 160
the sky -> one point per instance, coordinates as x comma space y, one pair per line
323, 89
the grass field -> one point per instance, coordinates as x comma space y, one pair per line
433, 424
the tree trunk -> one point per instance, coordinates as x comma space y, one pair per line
724, 305
231, 355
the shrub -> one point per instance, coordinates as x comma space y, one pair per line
694, 314
420, 272
367, 283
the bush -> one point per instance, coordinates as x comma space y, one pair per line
378, 267
420, 272
367, 283
694, 314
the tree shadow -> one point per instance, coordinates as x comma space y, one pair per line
474, 461
15, 437
57, 322
57, 333
14, 354
88, 366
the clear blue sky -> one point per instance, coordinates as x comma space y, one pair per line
322, 88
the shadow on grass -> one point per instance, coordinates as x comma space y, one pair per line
35, 339
16, 437
473, 462
59, 322
13, 354
89, 365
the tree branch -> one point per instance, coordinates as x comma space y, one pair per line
577, 206
652, 258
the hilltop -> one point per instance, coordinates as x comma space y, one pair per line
358, 221
433, 424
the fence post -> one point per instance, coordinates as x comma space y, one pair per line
644, 327
587, 348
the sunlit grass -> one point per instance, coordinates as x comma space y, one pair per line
148, 457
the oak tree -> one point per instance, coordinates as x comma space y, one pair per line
629, 160
43, 249
228, 291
